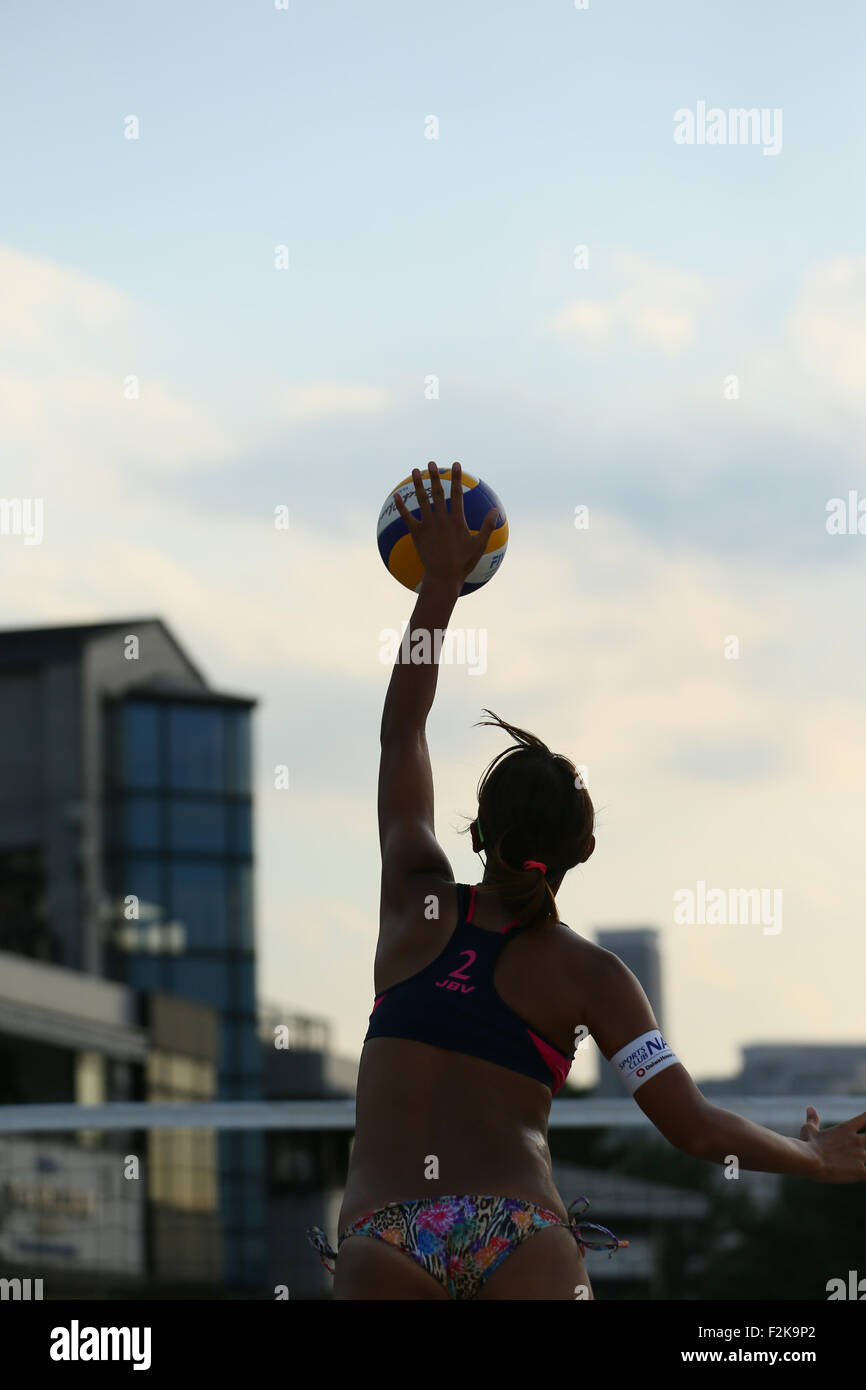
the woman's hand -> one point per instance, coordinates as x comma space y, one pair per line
840, 1150
447, 548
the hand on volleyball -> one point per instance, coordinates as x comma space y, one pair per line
448, 549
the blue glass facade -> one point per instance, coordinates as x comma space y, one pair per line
179, 817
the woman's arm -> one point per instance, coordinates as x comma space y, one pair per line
407, 834
449, 551
413, 683
620, 1013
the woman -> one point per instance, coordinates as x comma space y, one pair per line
480, 991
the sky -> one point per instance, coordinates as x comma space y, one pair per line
255, 257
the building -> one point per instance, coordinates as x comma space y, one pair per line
795, 1069
306, 1168
652, 1216
126, 858
117, 1214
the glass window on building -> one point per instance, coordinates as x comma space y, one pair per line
252, 1149
203, 1086
140, 822
179, 810
196, 748
173, 1076
198, 902
141, 876
254, 1212
145, 973
140, 935
231, 1037
90, 1078
240, 906
24, 925
244, 984
197, 824
183, 1168
252, 1248
295, 1160
204, 1168
251, 1053
238, 750
156, 1073
202, 978
240, 827
139, 745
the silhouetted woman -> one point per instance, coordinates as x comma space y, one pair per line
479, 991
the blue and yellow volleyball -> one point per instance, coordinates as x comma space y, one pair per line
398, 549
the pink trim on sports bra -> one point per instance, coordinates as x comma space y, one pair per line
559, 1064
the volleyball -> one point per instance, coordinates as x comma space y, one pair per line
398, 549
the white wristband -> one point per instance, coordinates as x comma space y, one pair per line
642, 1059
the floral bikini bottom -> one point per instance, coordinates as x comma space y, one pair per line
461, 1240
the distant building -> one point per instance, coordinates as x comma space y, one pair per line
651, 1216
637, 947
126, 851
795, 1069
71, 1212
306, 1168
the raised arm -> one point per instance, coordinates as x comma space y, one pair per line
449, 551
620, 1013
407, 837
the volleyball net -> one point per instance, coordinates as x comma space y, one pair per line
212, 1199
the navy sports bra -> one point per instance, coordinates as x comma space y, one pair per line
452, 1003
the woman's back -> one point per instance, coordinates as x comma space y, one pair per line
431, 1120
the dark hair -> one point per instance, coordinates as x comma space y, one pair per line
532, 804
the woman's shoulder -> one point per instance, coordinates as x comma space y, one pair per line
427, 899
583, 957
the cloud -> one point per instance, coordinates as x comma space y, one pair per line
738, 760
802, 385
589, 319
44, 302
827, 328
658, 306
64, 392
323, 399
608, 643
80, 420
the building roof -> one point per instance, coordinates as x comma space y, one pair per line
29, 644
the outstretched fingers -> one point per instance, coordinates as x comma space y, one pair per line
457, 494
436, 488
412, 522
484, 534
421, 492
